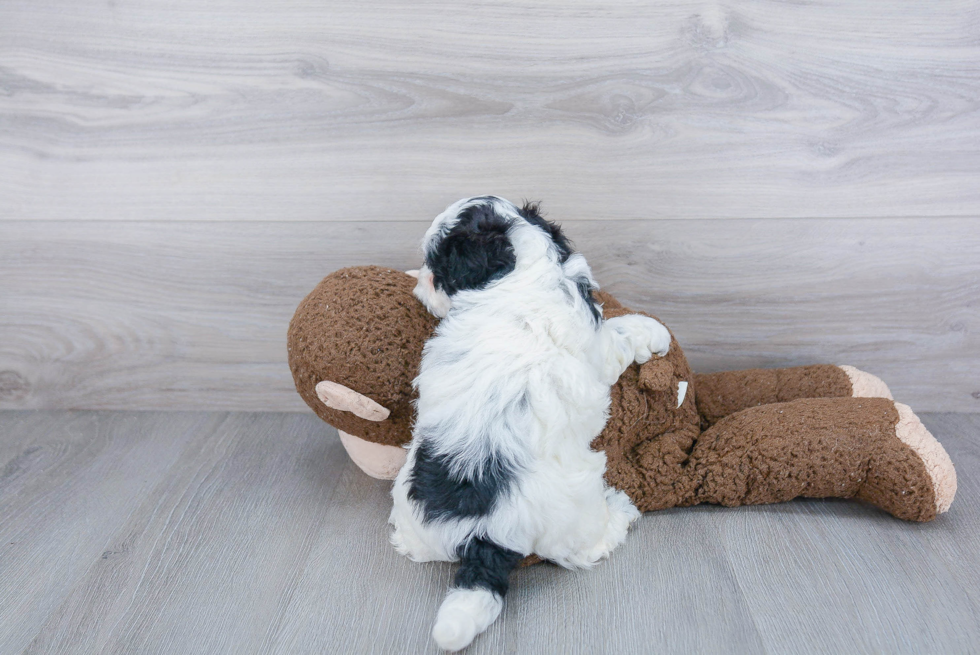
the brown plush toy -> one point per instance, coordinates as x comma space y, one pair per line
673, 438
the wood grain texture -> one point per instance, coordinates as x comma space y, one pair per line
68, 484
254, 533
210, 559
373, 110
139, 315
821, 575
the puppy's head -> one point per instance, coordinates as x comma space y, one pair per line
477, 241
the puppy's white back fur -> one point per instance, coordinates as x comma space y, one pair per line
520, 370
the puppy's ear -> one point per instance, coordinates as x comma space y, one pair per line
531, 211
475, 252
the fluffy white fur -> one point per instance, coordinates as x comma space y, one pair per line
463, 615
520, 367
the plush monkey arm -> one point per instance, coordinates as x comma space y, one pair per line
722, 394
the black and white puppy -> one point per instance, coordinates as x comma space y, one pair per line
513, 387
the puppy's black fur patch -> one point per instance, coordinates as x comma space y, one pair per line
444, 496
475, 252
585, 290
485, 565
531, 211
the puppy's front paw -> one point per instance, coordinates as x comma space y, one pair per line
658, 341
647, 336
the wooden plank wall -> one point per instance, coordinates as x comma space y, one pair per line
782, 183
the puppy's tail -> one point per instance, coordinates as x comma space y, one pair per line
478, 593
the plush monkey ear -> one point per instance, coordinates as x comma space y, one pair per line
337, 396
475, 252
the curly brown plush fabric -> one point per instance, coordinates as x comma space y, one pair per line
813, 448
731, 391
361, 327
769, 435
646, 424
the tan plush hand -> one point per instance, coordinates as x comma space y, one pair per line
337, 396
377, 460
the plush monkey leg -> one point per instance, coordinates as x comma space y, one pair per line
722, 394
867, 448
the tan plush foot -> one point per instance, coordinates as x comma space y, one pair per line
865, 385
377, 460
938, 465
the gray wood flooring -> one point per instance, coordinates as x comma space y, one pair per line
205, 532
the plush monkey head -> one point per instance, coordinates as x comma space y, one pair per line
354, 345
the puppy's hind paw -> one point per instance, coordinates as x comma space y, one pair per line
408, 544
622, 513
